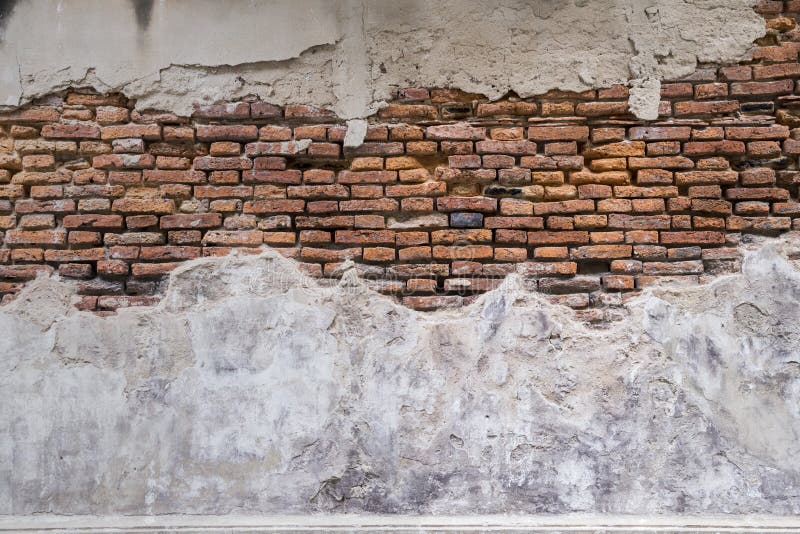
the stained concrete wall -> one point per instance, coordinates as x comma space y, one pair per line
350, 54
253, 390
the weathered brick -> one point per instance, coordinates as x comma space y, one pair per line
190, 221
693, 238
780, 87
706, 108
274, 206
150, 132
663, 162
36, 237
558, 238
660, 133
602, 178
234, 237
601, 252
777, 131
558, 133
479, 204
519, 148
144, 205
71, 131
461, 131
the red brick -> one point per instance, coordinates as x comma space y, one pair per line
424, 303
78, 238
223, 191
663, 162
143, 205
124, 161
36, 237
365, 237
490, 109
150, 132
274, 206
520, 148
780, 70
777, 131
706, 178
461, 131
31, 115
547, 268
425, 189
710, 148
706, 108
178, 177
558, 133
780, 87
693, 238
112, 268
233, 238
86, 254
71, 131
596, 109
710, 90
231, 132
211, 163
318, 191
638, 222
660, 133
463, 252
191, 221
43, 206
601, 252
757, 193
558, 238
170, 252
287, 177
480, 204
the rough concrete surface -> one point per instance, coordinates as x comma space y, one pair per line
252, 389
350, 55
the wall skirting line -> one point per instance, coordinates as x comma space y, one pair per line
397, 524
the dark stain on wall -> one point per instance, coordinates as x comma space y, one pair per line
143, 10
6, 7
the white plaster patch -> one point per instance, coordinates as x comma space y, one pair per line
256, 389
350, 55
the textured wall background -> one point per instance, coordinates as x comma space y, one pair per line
164, 362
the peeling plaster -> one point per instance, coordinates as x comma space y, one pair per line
350, 55
252, 389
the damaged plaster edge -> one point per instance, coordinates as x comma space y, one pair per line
644, 98
356, 132
352, 92
60, 294
401, 523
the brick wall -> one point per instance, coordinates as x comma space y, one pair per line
448, 194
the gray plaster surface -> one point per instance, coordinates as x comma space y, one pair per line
349, 55
253, 390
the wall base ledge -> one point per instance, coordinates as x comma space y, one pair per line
397, 524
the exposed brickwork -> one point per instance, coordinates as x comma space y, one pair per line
448, 194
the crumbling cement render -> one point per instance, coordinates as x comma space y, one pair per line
350, 55
252, 389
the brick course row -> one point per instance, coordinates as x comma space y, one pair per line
448, 194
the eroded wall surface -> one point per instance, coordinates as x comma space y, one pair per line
251, 389
196, 212
349, 55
